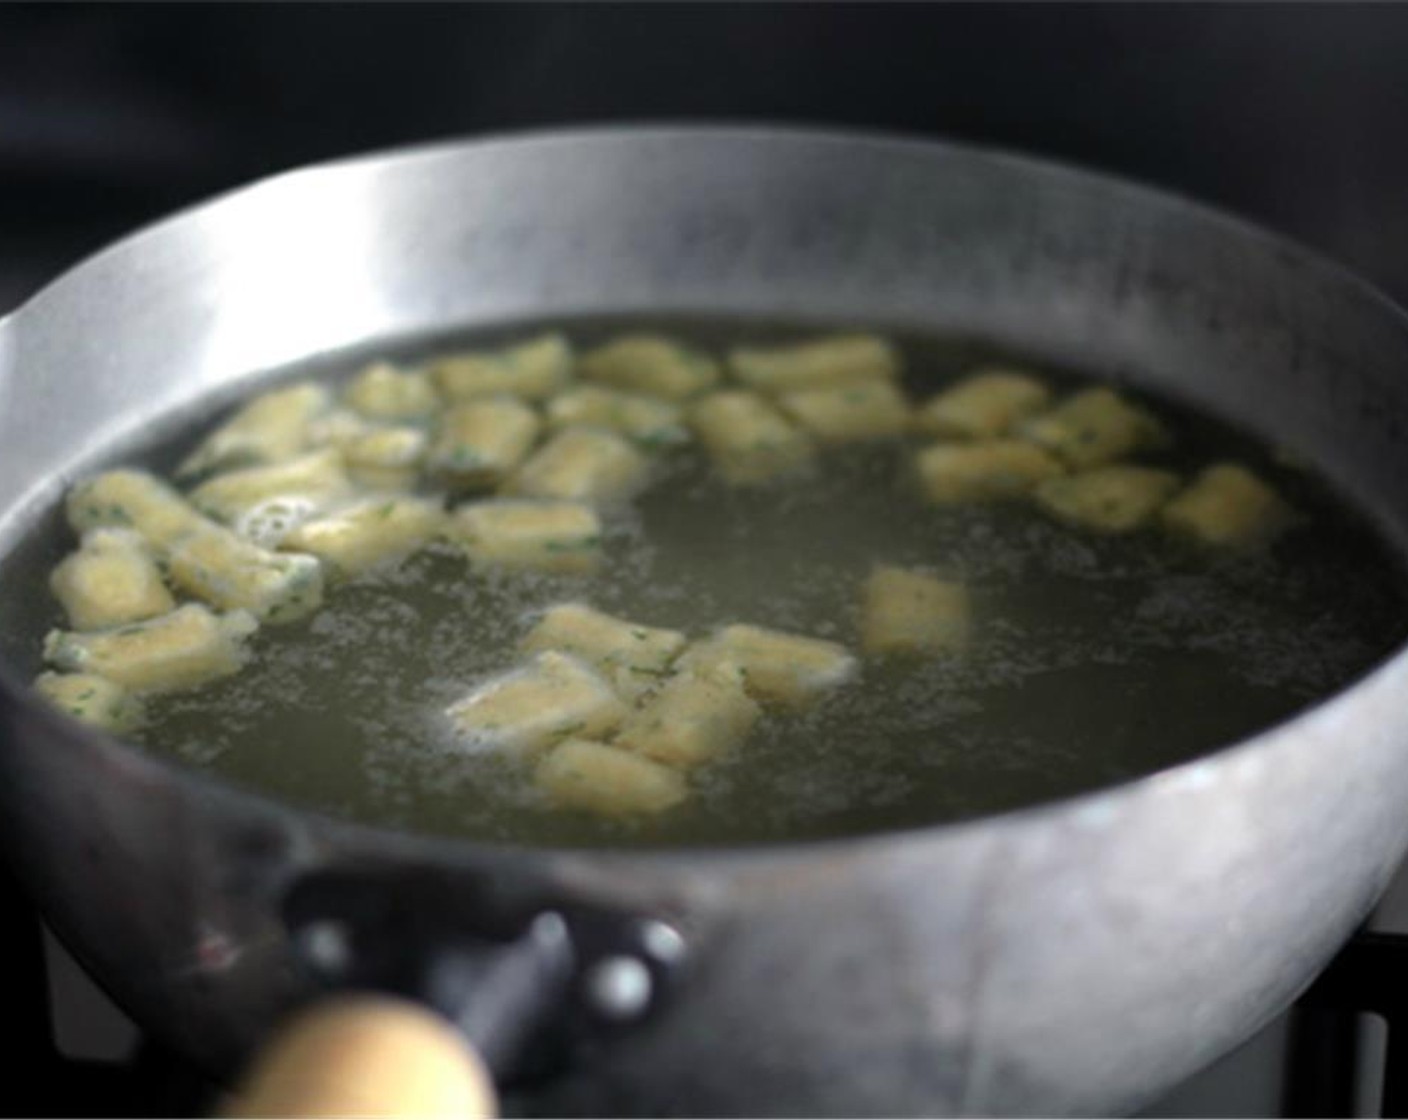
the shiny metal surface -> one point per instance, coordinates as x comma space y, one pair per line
1074, 958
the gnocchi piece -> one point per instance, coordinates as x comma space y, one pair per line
696, 715
482, 440
838, 362
271, 427
632, 657
386, 459
581, 774
909, 613
878, 410
561, 537
383, 392
748, 440
552, 697
111, 580
581, 464
786, 670
369, 533
337, 428
533, 370
93, 699
1114, 499
312, 481
649, 422
1227, 506
951, 473
1094, 427
188, 647
987, 403
648, 363
135, 500
214, 565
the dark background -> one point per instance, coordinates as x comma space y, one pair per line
1294, 115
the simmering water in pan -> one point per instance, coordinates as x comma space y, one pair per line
1094, 660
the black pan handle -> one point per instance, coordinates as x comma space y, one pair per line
528, 980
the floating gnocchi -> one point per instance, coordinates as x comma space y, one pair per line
93, 700
312, 481
581, 464
632, 656
989, 471
651, 364
1117, 499
910, 613
877, 410
748, 440
383, 392
839, 362
560, 537
777, 668
602, 779
271, 427
1227, 506
369, 533
534, 370
111, 580
481, 441
697, 714
1094, 427
180, 650
552, 697
650, 422
986, 404
387, 459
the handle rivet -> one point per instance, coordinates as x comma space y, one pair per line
619, 987
327, 945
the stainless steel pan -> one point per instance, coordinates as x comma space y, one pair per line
1078, 957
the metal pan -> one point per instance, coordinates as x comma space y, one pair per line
1078, 957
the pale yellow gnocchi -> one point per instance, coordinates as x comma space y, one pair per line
581, 464
1094, 427
602, 779
748, 440
837, 362
1114, 499
651, 364
877, 410
93, 700
369, 532
553, 696
987, 403
312, 481
993, 470
271, 427
534, 370
909, 613
696, 714
1228, 506
182, 649
481, 441
383, 392
788, 670
387, 459
111, 580
559, 537
649, 422
633, 657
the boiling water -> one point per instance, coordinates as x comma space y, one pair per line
1093, 660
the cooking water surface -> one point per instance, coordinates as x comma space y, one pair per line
1093, 658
